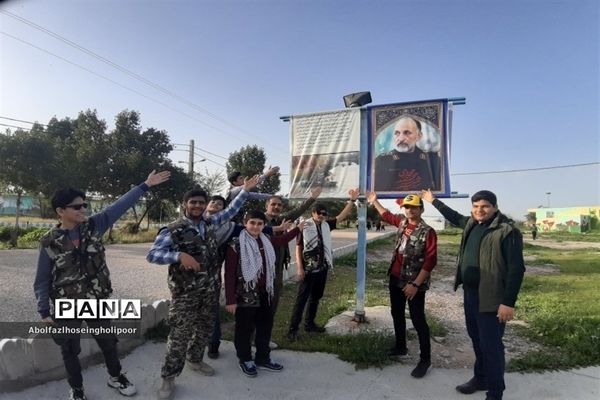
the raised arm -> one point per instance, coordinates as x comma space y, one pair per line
103, 220
234, 207
454, 217
349, 205
386, 215
372, 199
295, 213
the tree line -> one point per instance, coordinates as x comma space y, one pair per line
82, 153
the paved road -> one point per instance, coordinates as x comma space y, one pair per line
132, 276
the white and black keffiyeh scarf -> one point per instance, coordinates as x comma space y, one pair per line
251, 261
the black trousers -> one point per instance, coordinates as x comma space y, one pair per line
70, 347
310, 291
249, 319
416, 307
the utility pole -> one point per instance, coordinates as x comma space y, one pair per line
191, 159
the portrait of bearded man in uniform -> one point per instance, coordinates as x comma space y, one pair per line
407, 168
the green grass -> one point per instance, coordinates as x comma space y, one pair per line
563, 311
592, 236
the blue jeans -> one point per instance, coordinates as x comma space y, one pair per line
486, 334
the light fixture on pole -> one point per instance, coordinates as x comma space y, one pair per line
357, 99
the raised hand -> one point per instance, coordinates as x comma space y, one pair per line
371, 197
156, 178
285, 225
354, 193
272, 171
427, 195
250, 183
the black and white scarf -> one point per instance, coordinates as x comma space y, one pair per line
251, 261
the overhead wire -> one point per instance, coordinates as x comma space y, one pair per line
136, 76
525, 169
20, 120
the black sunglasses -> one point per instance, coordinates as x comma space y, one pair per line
323, 213
77, 206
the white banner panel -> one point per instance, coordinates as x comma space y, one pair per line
325, 152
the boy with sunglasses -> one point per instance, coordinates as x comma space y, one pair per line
314, 257
72, 265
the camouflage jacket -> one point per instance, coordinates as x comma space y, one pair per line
186, 239
413, 253
77, 272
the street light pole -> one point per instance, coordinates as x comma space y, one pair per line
191, 159
548, 199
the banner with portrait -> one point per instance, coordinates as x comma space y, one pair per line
408, 148
325, 152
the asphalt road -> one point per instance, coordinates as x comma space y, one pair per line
132, 276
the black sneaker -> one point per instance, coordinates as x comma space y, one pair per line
77, 394
470, 387
270, 366
249, 369
314, 328
396, 352
292, 336
213, 350
122, 384
421, 369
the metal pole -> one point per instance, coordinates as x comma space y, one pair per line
361, 249
548, 199
191, 159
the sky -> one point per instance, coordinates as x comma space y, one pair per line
223, 72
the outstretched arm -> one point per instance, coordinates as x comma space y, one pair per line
372, 199
455, 218
103, 220
349, 206
294, 214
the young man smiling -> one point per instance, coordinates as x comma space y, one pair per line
189, 245
72, 265
415, 256
314, 257
490, 268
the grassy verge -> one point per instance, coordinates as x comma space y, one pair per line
363, 350
563, 311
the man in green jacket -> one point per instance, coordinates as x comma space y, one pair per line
490, 268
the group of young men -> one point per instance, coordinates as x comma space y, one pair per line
254, 254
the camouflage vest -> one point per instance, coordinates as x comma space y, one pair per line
77, 272
186, 239
244, 296
413, 254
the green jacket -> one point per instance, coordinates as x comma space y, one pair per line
501, 264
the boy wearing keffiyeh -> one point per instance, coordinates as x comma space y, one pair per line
249, 290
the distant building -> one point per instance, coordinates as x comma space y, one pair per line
568, 219
29, 205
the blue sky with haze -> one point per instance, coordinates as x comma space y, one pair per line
529, 70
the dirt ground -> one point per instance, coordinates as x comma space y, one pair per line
454, 350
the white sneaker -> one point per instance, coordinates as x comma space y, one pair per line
201, 367
122, 384
77, 394
166, 389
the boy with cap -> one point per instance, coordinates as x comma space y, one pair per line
490, 268
415, 256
